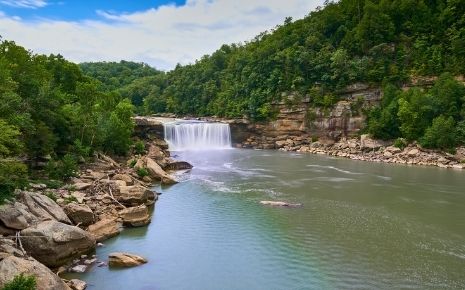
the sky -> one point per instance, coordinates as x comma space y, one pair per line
161, 33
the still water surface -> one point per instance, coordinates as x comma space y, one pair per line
363, 226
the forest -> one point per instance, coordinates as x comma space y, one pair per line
61, 112
383, 43
51, 112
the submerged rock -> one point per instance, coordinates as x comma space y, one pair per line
77, 284
280, 203
125, 260
46, 280
53, 243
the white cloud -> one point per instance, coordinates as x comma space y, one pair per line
33, 4
161, 37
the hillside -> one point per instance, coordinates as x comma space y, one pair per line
380, 43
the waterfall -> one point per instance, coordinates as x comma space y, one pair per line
196, 135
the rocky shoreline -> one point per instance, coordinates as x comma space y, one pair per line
363, 148
46, 232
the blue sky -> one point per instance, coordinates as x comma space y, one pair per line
161, 33
78, 10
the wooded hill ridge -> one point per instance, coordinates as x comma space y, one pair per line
381, 43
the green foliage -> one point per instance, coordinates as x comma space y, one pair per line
70, 199
21, 282
62, 169
51, 195
441, 134
142, 172
10, 143
139, 147
342, 43
400, 143
13, 175
133, 163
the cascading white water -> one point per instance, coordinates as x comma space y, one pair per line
195, 135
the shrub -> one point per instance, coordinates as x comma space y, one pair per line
400, 143
21, 282
142, 172
70, 199
441, 134
62, 169
13, 175
139, 147
133, 163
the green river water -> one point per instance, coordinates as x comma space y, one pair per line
363, 226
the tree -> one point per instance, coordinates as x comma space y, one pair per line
441, 134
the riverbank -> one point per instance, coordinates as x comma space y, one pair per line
363, 148
58, 229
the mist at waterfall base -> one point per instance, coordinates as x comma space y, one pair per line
197, 136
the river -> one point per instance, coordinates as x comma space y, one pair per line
362, 226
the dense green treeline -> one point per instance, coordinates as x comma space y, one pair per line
134, 81
435, 117
49, 108
344, 42
372, 41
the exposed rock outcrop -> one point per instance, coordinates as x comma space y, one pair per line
12, 266
135, 216
125, 260
43, 207
53, 243
104, 229
135, 195
79, 214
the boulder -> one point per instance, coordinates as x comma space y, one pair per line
393, 149
43, 207
79, 196
366, 142
77, 284
413, 152
125, 260
53, 243
124, 177
82, 186
104, 229
178, 165
280, 203
135, 216
157, 172
135, 195
79, 214
46, 280
16, 216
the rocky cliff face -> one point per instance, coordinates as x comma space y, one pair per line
300, 119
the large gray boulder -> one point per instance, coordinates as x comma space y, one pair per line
43, 207
53, 243
12, 266
16, 216
79, 214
